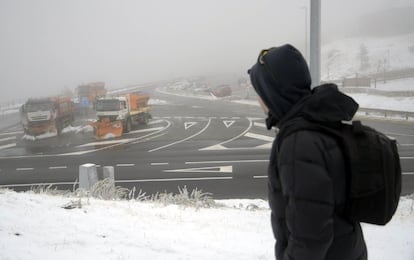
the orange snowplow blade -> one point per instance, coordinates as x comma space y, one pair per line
106, 129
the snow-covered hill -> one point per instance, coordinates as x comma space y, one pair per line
362, 56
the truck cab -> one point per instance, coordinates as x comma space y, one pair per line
117, 115
46, 115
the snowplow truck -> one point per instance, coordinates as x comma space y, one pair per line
118, 115
46, 115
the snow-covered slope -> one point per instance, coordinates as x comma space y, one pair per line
349, 57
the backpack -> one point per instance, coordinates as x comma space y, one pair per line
373, 166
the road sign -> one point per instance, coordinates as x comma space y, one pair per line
85, 102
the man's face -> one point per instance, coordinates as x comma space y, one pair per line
263, 106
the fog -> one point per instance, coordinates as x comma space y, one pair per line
47, 45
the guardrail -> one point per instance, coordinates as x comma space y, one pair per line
386, 113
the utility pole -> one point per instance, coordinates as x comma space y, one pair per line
315, 42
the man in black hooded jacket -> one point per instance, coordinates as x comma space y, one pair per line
307, 177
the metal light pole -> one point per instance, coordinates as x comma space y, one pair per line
315, 42
305, 8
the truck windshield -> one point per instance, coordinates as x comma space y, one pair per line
108, 105
34, 107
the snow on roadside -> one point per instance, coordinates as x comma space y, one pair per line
38, 137
238, 229
78, 129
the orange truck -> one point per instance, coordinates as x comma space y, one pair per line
46, 115
90, 92
117, 115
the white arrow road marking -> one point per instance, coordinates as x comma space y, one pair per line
7, 146
183, 140
228, 123
265, 138
220, 145
189, 124
223, 169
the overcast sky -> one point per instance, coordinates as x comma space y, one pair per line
46, 45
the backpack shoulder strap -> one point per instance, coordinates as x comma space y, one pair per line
298, 124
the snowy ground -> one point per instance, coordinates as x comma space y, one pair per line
36, 226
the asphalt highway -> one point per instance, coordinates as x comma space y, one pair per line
217, 146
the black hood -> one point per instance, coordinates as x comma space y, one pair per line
326, 104
281, 78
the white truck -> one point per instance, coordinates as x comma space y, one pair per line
117, 115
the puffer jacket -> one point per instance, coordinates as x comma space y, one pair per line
307, 185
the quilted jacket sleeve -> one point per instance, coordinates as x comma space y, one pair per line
308, 193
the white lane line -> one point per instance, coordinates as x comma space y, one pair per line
57, 167
24, 169
235, 161
37, 184
121, 181
7, 146
183, 140
147, 139
260, 124
7, 138
156, 164
125, 164
406, 158
175, 179
153, 122
260, 177
11, 133
220, 145
144, 130
137, 140
404, 173
399, 134
216, 169
106, 142
260, 137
